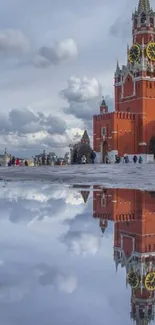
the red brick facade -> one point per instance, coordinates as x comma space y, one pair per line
133, 213
130, 127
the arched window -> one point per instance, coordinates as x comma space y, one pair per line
119, 78
151, 21
143, 18
148, 72
135, 23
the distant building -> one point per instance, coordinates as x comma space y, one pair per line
85, 138
85, 195
4, 158
81, 148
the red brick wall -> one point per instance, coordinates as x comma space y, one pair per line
100, 121
121, 132
124, 139
135, 206
128, 86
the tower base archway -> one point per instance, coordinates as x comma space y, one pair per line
152, 146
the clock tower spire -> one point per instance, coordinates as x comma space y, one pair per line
144, 6
143, 22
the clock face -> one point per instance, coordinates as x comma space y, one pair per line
133, 279
134, 53
150, 51
150, 281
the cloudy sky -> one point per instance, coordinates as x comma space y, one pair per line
57, 59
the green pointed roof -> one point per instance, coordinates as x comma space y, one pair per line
144, 6
103, 103
103, 229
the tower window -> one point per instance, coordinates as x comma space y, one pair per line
103, 201
143, 18
135, 23
103, 131
151, 21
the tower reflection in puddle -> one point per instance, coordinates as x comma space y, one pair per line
133, 213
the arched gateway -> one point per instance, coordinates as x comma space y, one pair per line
152, 146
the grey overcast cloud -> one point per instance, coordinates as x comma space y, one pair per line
57, 58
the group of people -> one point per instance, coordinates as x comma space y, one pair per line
126, 159
16, 162
135, 159
92, 158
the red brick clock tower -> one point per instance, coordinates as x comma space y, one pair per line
133, 213
129, 129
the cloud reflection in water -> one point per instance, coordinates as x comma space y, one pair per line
54, 254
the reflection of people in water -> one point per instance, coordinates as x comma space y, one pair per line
134, 243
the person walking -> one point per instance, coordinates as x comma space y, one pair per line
93, 156
13, 161
83, 159
135, 159
17, 162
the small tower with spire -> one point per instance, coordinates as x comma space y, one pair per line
85, 195
117, 73
103, 107
103, 225
5, 157
85, 138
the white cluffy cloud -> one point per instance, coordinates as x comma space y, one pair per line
82, 243
19, 284
66, 283
82, 90
26, 121
13, 42
83, 96
51, 276
59, 52
74, 198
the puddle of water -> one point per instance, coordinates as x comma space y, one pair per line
78, 252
